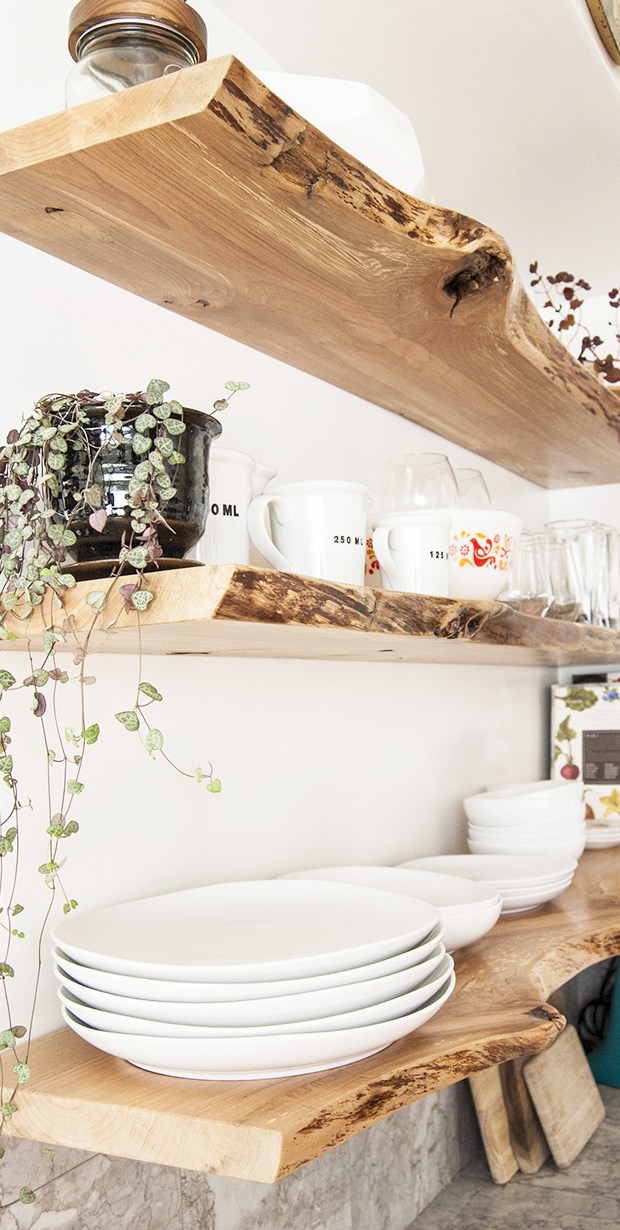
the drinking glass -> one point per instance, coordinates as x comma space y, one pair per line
613, 565
566, 588
586, 544
418, 481
606, 609
473, 491
529, 587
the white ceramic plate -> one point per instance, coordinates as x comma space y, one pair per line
274, 1010
499, 869
254, 929
205, 992
467, 909
387, 1010
256, 1058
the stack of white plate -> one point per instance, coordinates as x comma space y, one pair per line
252, 980
600, 834
529, 818
523, 882
467, 910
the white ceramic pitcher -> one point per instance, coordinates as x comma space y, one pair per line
235, 479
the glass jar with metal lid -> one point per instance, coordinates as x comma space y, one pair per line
121, 43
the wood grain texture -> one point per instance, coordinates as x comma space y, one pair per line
488, 1098
566, 1097
609, 33
210, 196
238, 611
528, 1141
263, 1130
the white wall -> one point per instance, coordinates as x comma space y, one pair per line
320, 762
596, 503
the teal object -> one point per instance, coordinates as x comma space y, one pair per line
605, 1060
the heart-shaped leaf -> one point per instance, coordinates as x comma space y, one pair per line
98, 519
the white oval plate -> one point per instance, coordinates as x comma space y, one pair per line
257, 1058
273, 1010
255, 929
205, 992
499, 869
460, 902
387, 1010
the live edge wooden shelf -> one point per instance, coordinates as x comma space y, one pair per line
263, 1130
208, 195
230, 610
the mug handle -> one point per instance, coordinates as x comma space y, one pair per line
381, 545
258, 531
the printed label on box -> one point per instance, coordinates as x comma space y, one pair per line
585, 745
601, 756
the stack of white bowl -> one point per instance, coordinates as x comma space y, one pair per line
467, 909
255, 979
543, 817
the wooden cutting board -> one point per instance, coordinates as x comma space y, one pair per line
565, 1096
488, 1096
528, 1140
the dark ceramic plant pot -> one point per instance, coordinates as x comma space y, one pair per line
185, 513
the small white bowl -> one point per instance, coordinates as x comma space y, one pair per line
545, 786
535, 831
492, 809
568, 849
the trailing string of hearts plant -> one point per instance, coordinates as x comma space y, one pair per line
38, 530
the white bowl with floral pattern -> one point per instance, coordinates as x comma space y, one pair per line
482, 544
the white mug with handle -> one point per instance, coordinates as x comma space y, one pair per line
317, 528
235, 479
413, 551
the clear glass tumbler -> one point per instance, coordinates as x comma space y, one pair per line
566, 587
607, 609
584, 543
529, 586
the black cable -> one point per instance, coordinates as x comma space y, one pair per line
594, 1016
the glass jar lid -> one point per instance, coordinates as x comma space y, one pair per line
175, 15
